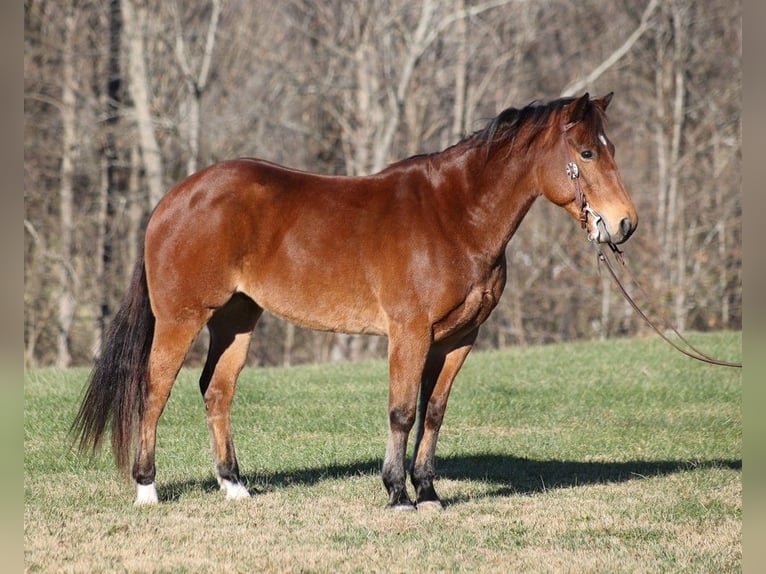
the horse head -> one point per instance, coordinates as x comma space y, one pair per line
584, 178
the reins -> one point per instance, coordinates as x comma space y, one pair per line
691, 350
573, 173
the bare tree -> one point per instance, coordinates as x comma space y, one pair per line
69, 151
346, 88
105, 226
196, 81
644, 24
135, 23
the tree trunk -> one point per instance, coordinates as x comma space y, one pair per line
679, 300
660, 139
670, 87
721, 229
66, 194
110, 180
287, 351
196, 83
606, 306
461, 75
34, 272
134, 20
675, 227
135, 214
517, 309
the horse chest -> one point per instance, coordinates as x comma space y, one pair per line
470, 312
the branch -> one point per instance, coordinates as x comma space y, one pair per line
209, 44
616, 56
416, 49
199, 82
450, 19
420, 42
32, 231
181, 48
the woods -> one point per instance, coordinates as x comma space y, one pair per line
126, 97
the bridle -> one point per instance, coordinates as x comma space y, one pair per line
573, 173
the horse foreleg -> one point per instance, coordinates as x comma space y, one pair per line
169, 345
406, 359
438, 376
230, 333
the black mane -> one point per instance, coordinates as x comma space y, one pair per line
505, 127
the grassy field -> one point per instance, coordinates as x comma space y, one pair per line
617, 456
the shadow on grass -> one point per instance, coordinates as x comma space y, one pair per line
512, 475
509, 474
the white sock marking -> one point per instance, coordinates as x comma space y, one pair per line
145, 494
234, 490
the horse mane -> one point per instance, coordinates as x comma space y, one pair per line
504, 128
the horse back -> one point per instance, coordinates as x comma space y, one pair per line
326, 252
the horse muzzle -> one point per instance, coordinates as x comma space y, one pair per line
599, 229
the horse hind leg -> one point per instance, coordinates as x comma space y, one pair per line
425, 494
170, 343
230, 329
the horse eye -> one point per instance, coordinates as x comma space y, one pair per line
587, 154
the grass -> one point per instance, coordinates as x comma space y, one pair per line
617, 456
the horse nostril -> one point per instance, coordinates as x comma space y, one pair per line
626, 227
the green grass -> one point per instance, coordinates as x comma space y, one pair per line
618, 456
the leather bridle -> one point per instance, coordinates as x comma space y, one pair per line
573, 173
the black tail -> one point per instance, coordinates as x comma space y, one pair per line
117, 386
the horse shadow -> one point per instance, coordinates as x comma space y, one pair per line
509, 475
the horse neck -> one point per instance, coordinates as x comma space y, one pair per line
494, 193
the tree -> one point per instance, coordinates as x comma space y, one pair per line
196, 81
159, 89
69, 153
135, 23
111, 176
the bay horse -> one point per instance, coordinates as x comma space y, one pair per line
415, 252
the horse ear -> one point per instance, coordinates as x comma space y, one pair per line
578, 108
603, 103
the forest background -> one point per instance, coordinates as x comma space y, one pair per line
123, 98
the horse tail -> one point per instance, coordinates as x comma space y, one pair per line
117, 386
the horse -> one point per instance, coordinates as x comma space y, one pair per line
415, 252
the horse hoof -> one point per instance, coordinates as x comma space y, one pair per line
146, 495
430, 506
234, 490
402, 507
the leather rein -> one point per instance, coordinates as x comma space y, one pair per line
573, 173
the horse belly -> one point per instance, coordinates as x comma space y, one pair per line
326, 314
324, 300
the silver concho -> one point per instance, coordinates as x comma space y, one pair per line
573, 172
